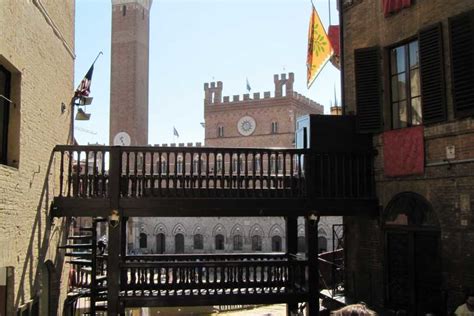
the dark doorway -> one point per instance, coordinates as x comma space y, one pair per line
413, 277
276, 243
179, 243
160, 243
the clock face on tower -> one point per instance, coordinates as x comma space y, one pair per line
246, 125
122, 139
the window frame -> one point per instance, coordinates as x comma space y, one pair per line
274, 127
408, 96
220, 131
198, 242
6, 116
218, 239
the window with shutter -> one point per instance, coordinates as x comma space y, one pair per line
368, 89
405, 85
461, 31
432, 74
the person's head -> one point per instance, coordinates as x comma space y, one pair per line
354, 310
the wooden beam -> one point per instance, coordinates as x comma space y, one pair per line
313, 265
115, 229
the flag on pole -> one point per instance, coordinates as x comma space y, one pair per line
248, 85
319, 47
175, 132
84, 88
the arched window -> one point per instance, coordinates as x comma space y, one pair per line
198, 242
301, 244
220, 131
274, 127
143, 240
257, 243
276, 243
179, 243
238, 242
322, 244
219, 241
160, 243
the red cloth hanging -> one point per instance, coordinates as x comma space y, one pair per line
393, 6
333, 34
404, 152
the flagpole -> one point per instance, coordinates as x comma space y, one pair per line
98, 55
329, 6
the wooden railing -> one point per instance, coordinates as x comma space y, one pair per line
223, 275
203, 172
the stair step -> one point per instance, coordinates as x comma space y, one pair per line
81, 262
76, 246
86, 229
78, 254
79, 237
101, 278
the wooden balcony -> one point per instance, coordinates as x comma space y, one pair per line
203, 181
179, 280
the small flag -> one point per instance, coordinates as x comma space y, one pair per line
319, 47
248, 85
84, 88
175, 132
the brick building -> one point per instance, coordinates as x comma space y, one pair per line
129, 71
36, 86
408, 73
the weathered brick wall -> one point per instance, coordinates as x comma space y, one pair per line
447, 186
129, 70
37, 47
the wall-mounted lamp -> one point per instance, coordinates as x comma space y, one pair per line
63, 107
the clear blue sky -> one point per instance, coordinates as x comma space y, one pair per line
198, 41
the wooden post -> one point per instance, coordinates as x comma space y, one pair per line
313, 273
113, 257
291, 251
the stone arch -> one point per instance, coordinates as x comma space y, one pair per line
219, 229
276, 230
178, 229
199, 229
322, 232
237, 229
412, 209
160, 228
256, 229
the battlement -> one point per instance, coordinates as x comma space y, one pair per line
283, 89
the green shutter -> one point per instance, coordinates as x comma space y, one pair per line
433, 92
461, 31
368, 89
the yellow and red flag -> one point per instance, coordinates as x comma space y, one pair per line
319, 47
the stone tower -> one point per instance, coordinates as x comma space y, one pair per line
129, 70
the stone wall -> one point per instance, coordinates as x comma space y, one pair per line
37, 47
